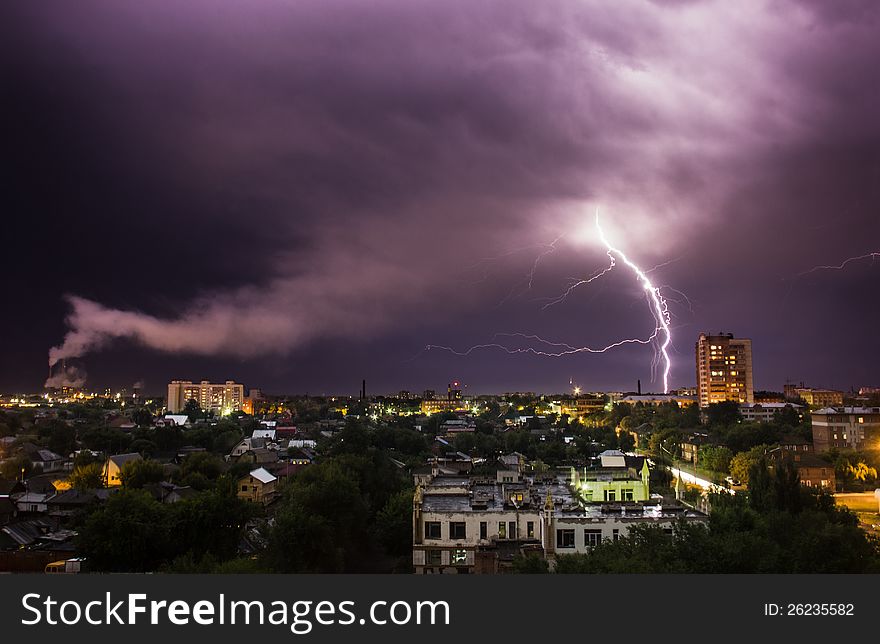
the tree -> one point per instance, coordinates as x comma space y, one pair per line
723, 414
715, 458
210, 523
741, 464
394, 524
192, 410
530, 564
142, 417
128, 534
207, 464
321, 524
136, 474
11, 468
87, 477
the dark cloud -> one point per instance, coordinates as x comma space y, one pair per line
281, 180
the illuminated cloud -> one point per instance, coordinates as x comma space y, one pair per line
382, 149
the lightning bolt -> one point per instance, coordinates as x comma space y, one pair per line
839, 267
659, 307
580, 282
661, 336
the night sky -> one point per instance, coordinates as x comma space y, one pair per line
299, 195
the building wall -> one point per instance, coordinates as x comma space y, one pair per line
854, 429
724, 369
216, 397
821, 397
254, 490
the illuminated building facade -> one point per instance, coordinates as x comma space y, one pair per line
454, 400
846, 427
219, 398
815, 397
582, 405
724, 369
477, 525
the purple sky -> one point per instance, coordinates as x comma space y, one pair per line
298, 195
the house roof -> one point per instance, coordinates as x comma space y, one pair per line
73, 497
33, 497
122, 459
46, 455
177, 419
262, 475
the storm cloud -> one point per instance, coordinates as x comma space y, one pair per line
394, 166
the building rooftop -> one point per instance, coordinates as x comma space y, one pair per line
847, 410
262, 475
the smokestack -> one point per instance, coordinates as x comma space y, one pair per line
364, 389
639, 385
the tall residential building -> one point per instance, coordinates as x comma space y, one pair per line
724, 369
218, 398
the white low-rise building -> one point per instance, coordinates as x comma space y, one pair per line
472, 525
764, 412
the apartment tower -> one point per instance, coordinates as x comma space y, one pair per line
724, 369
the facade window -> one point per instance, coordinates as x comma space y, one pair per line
502, 530
610, 495
615, 535
667, 531
244, 488
592, 538
434, 557
511, 530
459, 556
432, 529
457, 530
484, 530
530, 529
627, 495
565, 538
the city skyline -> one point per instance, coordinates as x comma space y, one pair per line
233, 195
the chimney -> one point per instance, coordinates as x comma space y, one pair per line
639, 385
364, 389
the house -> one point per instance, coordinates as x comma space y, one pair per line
286, 470
65, 505
259, 456
258, 486
44, 460
113, 468
245, 445
792, 443
813, 471
34, 502
690, 447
